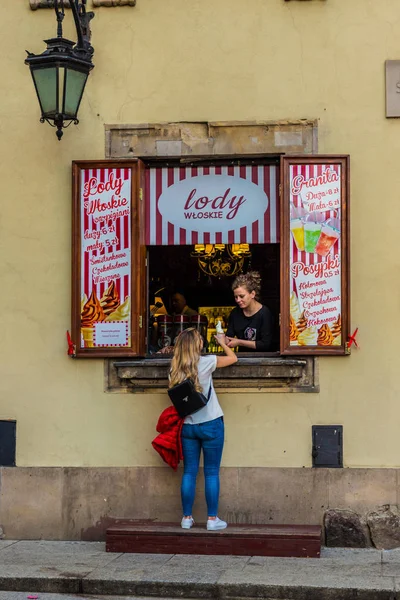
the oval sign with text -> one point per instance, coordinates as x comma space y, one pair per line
213, 203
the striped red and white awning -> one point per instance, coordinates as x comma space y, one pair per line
212, 205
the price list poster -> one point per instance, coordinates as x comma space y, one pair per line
316, 255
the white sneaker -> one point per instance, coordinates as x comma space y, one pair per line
187, 522
215, 524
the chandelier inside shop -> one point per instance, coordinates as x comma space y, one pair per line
221, 260
61, 71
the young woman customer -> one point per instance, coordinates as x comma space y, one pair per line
250, 324
203, 430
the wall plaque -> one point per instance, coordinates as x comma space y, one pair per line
392, 68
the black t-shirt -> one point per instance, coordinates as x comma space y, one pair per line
257, 328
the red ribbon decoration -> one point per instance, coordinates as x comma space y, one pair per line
352, 339
71, 346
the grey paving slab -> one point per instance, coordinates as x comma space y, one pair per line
391, 569
5, 543
163, 565
84, 555
390, 556
310, 566
41, 568
205, 577
43, 571
165, 574
306, 586
352, 555
131, 563
189, 562
122, 575
50, 566
391, 563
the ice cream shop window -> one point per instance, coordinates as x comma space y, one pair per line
157, 246
201, 233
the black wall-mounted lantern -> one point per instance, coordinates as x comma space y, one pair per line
61, 71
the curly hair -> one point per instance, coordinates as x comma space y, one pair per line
251, 281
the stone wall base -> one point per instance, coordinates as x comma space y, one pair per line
65, 503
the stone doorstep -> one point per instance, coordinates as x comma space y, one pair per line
236, 540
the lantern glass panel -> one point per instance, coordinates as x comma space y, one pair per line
46, 87
74, 85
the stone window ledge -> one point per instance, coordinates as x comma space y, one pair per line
251, 373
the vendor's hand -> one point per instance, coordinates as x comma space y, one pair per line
232, 342
166, 350
221, 339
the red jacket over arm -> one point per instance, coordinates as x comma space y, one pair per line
169, 442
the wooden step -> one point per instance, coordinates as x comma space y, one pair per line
241, 540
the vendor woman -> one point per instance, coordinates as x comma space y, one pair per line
250, 323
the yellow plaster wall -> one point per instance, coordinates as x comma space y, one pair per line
199, 60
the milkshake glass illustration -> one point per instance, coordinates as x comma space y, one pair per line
297, 226
312, 230
330, 233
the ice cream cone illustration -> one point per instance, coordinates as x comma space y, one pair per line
110, 299
122, 313
92, 312
325, 337
294, 332
337, 327
295, 307
337, 341
83, 301
308, 337
87, 334
302, 323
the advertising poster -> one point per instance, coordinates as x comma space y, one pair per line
315, 252
105, 258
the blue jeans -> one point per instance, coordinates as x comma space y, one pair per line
208, 436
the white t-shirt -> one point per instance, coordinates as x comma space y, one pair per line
212, 410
